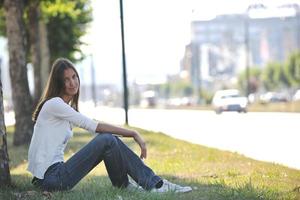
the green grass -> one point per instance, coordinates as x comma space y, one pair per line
212, 173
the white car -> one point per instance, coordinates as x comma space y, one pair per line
229, 100
296, 96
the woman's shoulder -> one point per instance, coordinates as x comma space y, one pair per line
54, 101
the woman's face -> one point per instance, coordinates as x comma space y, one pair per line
71, 82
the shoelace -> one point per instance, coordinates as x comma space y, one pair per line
172, 186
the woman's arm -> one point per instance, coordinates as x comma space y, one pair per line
108, 128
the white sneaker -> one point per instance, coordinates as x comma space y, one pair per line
132, 186
171, 187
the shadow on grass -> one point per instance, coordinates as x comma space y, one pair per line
99, 187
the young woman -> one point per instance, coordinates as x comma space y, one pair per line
55, 116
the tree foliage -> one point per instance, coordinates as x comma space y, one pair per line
274, 77
66, 22
178, 88
2, 19
292, 70
254, 79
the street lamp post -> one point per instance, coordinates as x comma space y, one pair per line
124, 65
247, 53
93, 84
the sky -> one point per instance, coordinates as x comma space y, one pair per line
156, 33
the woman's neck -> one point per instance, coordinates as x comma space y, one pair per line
66, 98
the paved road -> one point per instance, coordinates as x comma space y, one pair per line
272, 137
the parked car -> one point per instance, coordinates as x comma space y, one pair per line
296, 96
229, 100
148, 99
273, 97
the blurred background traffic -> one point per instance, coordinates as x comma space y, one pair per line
253, 48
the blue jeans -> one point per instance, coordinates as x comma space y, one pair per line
120, 161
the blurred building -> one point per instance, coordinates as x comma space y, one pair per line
218, 46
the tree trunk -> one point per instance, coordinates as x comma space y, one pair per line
18, 72
45, 53
34, 38
4, 164
5, 179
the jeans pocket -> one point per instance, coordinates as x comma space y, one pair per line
52, 179
51, 183
65, 179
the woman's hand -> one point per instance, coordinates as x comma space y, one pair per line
137, 137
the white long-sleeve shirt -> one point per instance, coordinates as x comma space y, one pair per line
52, 131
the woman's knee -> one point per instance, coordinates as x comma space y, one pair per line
106, 139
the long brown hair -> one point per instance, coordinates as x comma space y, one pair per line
55, 85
